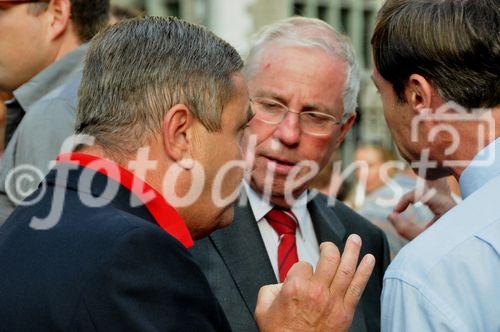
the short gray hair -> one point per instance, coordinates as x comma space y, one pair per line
310, 32
136, 70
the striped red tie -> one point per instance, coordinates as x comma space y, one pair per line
284, 223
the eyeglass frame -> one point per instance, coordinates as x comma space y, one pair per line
290, 110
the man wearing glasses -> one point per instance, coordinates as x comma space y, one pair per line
42, 45
303, 81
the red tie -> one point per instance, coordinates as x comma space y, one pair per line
284, 223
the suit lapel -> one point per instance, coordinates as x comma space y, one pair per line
244, 253
328, 227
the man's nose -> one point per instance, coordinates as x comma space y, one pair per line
288, 131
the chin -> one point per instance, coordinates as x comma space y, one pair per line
226, 218
223, 219
435, 173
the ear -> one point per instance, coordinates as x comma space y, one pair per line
344, 129
419, 94
177, 126
59, 12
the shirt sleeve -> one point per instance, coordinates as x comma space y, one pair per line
406, 308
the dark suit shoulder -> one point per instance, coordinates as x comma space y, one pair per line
99, 268
147, 283
352, 221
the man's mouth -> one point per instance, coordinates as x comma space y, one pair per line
281, 165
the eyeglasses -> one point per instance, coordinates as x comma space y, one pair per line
272, 112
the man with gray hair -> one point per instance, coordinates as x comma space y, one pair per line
303, 82
102, 244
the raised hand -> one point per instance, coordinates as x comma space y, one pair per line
324, 300
439, 204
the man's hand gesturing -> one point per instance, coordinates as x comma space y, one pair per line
324, 300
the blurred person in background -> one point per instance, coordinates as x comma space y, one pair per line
119, 13
42, 46
329, 182
379, 187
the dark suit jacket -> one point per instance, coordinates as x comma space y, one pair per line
236, 263
108, 268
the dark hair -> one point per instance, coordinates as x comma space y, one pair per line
455, 44
136, 70
89, 17
121, 13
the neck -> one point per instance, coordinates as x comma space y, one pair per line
142, 169
472, 144
69, 42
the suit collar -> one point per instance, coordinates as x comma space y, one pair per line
244, 253
104, 189
109, 184
327, 225
260, 207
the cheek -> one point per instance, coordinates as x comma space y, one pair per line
259, 131
317, 149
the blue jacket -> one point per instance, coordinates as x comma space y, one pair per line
109, 267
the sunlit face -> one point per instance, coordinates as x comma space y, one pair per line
23, 47
303, 79
215, 150
399, 117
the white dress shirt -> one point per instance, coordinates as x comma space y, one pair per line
307, 243
448, 278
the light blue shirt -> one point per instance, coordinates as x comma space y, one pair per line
448, 278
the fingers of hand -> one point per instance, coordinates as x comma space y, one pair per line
405, 201
328, 263
358, 283
347, 266
397, 221
296, 281
302, 270
265, 298
408, 229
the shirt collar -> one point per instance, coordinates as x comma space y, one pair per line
483, 168
48, 80
260, 207
163, 213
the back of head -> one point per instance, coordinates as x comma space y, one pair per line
309, 32
138, 69
89, 17
455, 44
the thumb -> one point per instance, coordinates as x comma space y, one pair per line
266, 297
